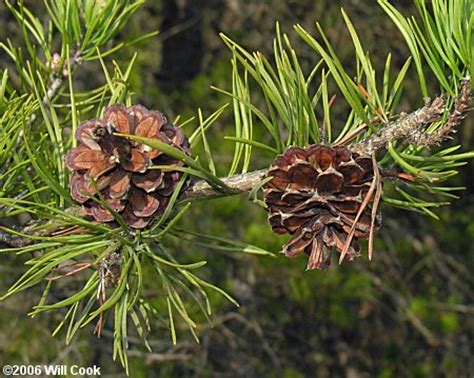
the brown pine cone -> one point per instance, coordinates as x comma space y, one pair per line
118, 168
315, 195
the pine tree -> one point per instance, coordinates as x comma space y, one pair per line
104, 182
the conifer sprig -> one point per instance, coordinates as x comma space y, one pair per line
40, 110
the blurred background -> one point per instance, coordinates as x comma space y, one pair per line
408, 313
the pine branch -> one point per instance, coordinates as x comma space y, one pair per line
407, 127
200, 190
51, 91
461, 106
239, 184
411, 126
53, 88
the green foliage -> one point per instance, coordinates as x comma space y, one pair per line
443, 33
36, 132
37, 128
290, 106
291, 117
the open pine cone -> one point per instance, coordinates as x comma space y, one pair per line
118, 168
317, 195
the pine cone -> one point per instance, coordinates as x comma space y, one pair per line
315, 195
118, 168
